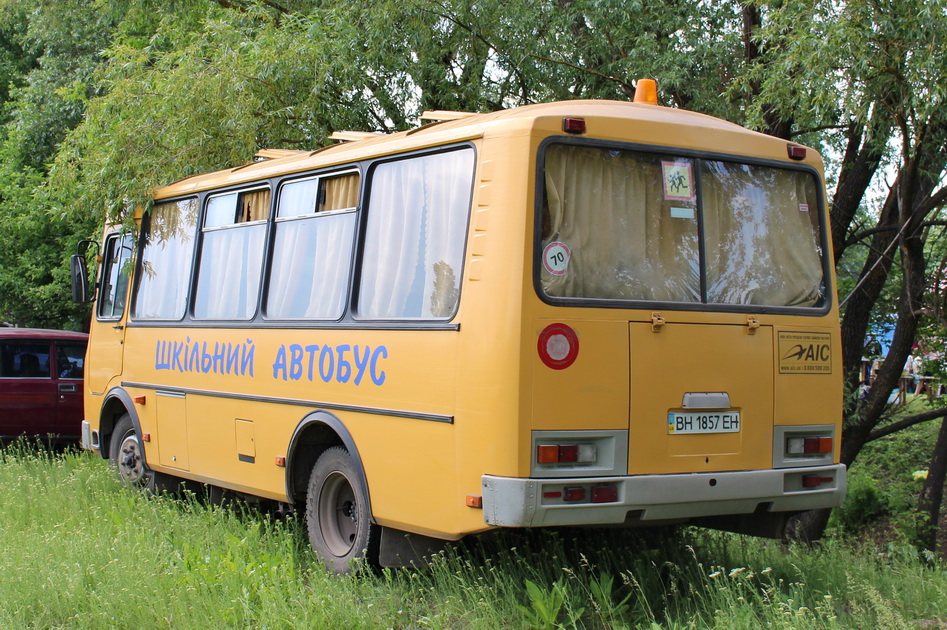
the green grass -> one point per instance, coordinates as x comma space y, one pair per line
78, 550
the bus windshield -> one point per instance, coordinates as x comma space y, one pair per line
630, 225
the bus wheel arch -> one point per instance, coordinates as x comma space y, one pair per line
117, 404
316, 433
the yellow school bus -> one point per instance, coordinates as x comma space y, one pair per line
567, 314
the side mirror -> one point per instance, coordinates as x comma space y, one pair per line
80, 280
79, 272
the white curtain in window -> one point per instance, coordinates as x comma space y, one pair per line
166, 261
630, 234
310, 269
625, 239
229, 276
416, 229
762, 233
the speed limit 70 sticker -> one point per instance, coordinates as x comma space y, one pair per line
556, 258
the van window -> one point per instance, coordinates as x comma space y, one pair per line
312, 247
115, 271
24, 360
70, 359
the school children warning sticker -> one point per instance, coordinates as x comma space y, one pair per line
556, 258
678, 180
805, 353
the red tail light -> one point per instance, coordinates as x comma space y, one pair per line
808, 445
566, 453
796, 152
573, 125
604, 494
576, 493
814, 481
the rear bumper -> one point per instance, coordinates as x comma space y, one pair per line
516, 502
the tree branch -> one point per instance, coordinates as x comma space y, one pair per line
855, 238
801, 132
624, 84
242, 7
932, 202
904, 423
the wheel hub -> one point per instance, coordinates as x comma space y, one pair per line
130, 460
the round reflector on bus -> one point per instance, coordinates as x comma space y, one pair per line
558, 346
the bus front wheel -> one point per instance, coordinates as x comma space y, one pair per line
127, 455
338, 515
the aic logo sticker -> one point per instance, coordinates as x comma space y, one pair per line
805, 353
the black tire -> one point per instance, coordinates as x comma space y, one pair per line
127, 455
338, 516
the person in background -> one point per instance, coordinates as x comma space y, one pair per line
907, 378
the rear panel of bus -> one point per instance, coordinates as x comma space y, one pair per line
680, 350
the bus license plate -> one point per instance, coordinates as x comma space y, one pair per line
686, 422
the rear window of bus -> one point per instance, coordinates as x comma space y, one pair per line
632, 225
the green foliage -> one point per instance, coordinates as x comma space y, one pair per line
36, 243
884, 483
603, 596
544, 605
41, 220
864, 502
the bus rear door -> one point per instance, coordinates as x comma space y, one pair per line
701, 396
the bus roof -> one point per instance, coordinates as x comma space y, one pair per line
694, 131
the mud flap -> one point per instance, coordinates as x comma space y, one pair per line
403, 549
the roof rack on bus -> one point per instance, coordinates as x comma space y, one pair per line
441, 115
352, 136
272, 154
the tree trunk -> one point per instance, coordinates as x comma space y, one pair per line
928, 505
808, 527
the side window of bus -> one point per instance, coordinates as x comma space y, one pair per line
166, 261
231, 257
114, 280
312, 247
415, 234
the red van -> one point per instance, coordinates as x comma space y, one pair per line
41, 382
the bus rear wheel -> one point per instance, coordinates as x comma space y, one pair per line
127, 455
338, 516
